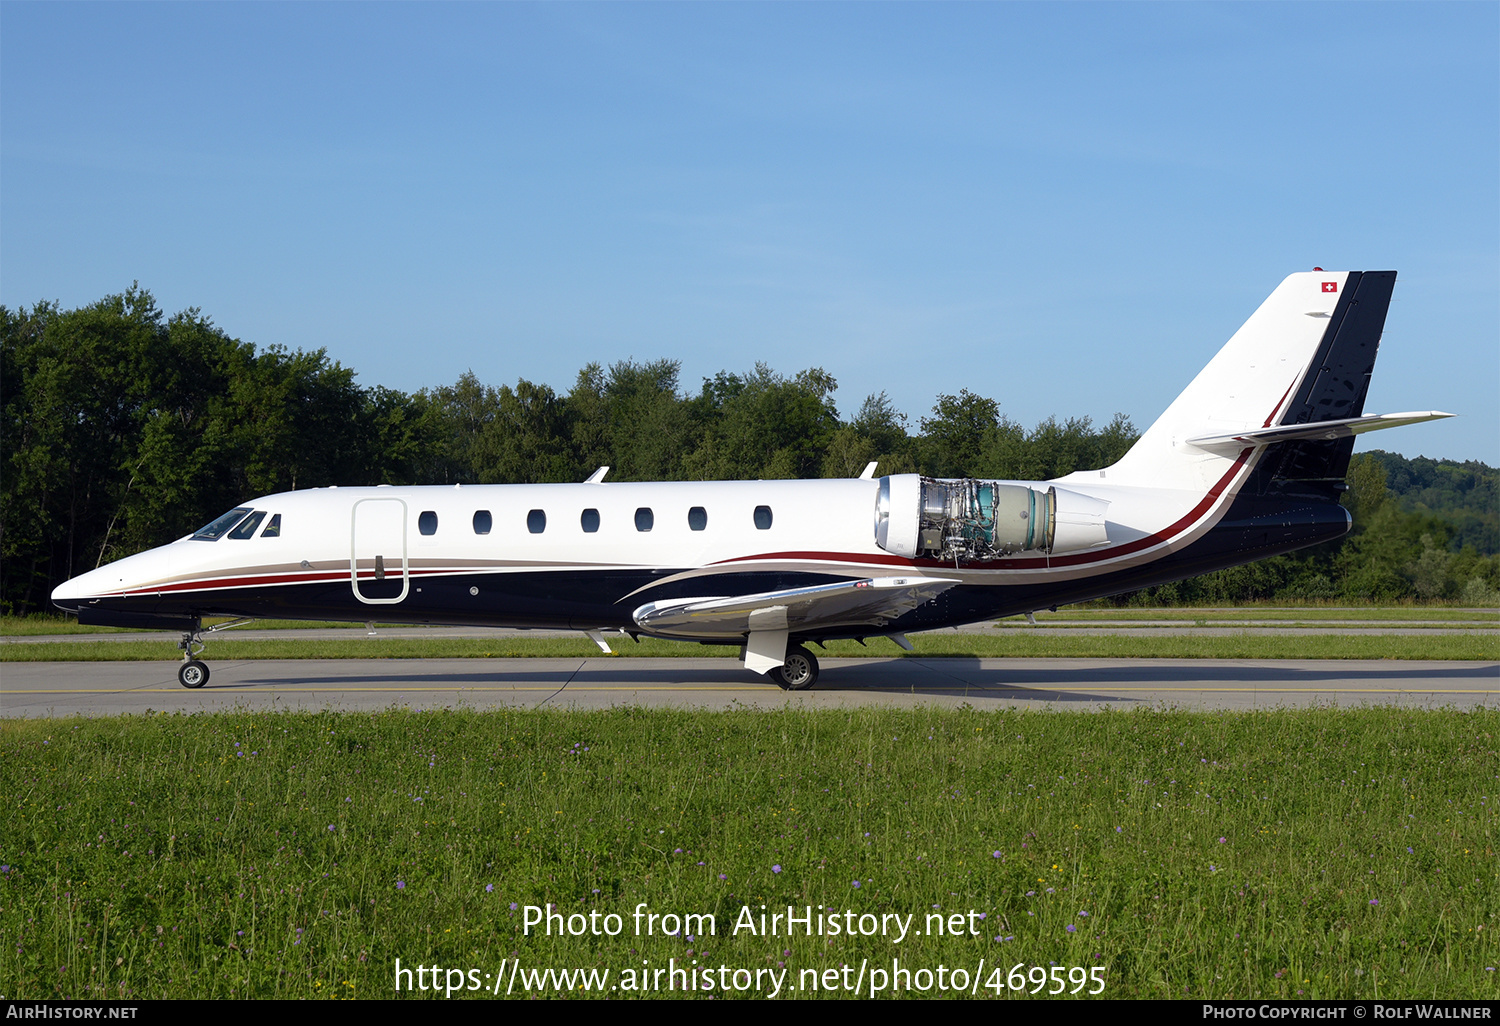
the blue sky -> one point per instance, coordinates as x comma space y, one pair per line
1065, 207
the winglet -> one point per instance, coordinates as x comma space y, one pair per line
869, 472
597, 477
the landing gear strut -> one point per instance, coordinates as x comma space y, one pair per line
193, 673
798, 673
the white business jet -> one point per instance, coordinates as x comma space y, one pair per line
1248, 462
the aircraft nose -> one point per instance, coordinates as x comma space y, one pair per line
122, 578
73, 592
106, 580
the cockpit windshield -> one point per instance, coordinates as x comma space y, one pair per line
218, 528
247, 529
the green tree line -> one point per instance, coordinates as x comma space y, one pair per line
124, 428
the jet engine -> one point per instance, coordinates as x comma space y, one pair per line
969, 520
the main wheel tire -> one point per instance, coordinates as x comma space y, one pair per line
799, 672
192, 674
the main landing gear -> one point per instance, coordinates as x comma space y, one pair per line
193, 673
798, 673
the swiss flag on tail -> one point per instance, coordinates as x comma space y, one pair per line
1330, 286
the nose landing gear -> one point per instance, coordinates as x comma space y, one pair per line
193, 673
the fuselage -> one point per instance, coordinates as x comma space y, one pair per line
587, 556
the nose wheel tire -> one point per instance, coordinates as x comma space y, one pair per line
798, 673
192, 674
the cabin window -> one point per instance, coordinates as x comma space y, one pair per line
589, 521
216, 530
273, 529
483, 521
248, 526
644, 519
427, 522
697, 518
536, 521
762, 518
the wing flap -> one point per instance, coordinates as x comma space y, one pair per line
872, 602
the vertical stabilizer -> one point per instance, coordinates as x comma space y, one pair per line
1304, 356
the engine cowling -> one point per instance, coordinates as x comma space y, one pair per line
973, 520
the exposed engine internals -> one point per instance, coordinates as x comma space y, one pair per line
970, 520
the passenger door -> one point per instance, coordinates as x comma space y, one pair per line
377, 552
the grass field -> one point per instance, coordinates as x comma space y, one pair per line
1281, 854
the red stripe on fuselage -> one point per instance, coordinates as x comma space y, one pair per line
320, 577
237, 582
1182, 525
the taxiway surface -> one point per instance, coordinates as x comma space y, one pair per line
49, 689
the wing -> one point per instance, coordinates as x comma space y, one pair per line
871, 602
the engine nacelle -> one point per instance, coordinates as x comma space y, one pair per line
970, 520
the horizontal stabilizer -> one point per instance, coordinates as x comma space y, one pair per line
868, 602
1322, 431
